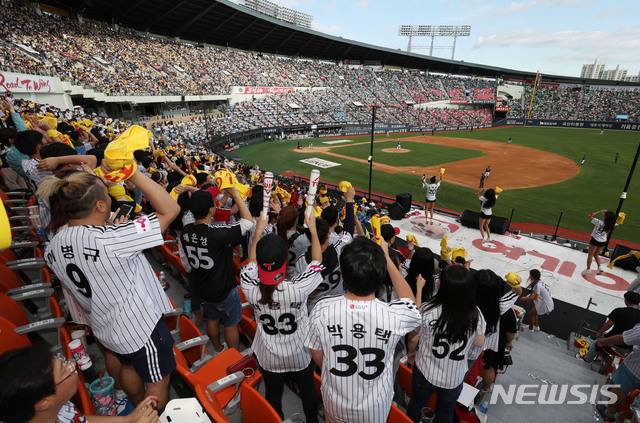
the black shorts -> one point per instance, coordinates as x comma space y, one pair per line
490, 359
429, 201
597, 243
485, 216
509, 322
155, 359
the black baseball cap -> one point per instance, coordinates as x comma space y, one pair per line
388, 231
271, 255
200, 202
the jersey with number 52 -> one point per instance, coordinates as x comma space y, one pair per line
283, 325
358, 339
443, 364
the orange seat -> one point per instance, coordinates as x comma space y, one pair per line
9, 339
8, 258
8, 279
189, 330
214, 369
211, 404
404, 378
255, 408
171, 321
397, 416
82, 399
317, 382
172, 257
405, 374
249, 327
11, 310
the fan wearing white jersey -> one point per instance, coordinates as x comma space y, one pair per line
451, 323
108, 282
353, 336
297, 241
331, 278
494, 298
541, 298
280, 306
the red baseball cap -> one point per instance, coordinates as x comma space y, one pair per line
271, 255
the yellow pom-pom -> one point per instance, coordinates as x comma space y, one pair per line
412, 238
513, 279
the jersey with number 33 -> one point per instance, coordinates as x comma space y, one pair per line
283, 325
358, 339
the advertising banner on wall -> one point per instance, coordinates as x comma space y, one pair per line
21, 83
570, 124
264, 90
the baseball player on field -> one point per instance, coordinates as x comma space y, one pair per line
107, 281
353, 336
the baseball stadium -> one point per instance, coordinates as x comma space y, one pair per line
124, 289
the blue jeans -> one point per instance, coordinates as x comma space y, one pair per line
421, 391
229, 310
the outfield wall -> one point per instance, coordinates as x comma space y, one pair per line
622, 126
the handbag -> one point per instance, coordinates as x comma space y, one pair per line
247, 365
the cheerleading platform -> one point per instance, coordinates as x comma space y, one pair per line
562, 268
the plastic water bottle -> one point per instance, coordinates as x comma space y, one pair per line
163, 281
186, 305
484, 407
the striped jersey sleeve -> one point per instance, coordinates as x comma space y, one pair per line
132, 237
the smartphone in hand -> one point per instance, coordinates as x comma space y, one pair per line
125, 210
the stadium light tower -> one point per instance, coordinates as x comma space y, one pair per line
434, 31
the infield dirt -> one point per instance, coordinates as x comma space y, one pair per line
512, 166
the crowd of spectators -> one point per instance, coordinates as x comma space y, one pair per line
173, 175
578, 103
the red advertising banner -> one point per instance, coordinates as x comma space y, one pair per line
19, 83
264, 90
502, 108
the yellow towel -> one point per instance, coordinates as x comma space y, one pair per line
344, 186
118, 155
188, 180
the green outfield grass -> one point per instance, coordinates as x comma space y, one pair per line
422, 155
597, 186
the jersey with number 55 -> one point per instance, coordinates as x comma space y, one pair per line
358, 340
209, 250
283, 325
444, 364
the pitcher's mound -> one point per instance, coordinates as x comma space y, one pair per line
395, 150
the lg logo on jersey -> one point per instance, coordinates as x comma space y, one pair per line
355, 306
546, 394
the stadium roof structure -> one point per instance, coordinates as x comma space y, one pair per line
227, 24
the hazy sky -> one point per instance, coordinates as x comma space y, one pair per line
553, 36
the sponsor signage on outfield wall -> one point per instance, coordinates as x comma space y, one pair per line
570, 124
20, 83
264, 90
